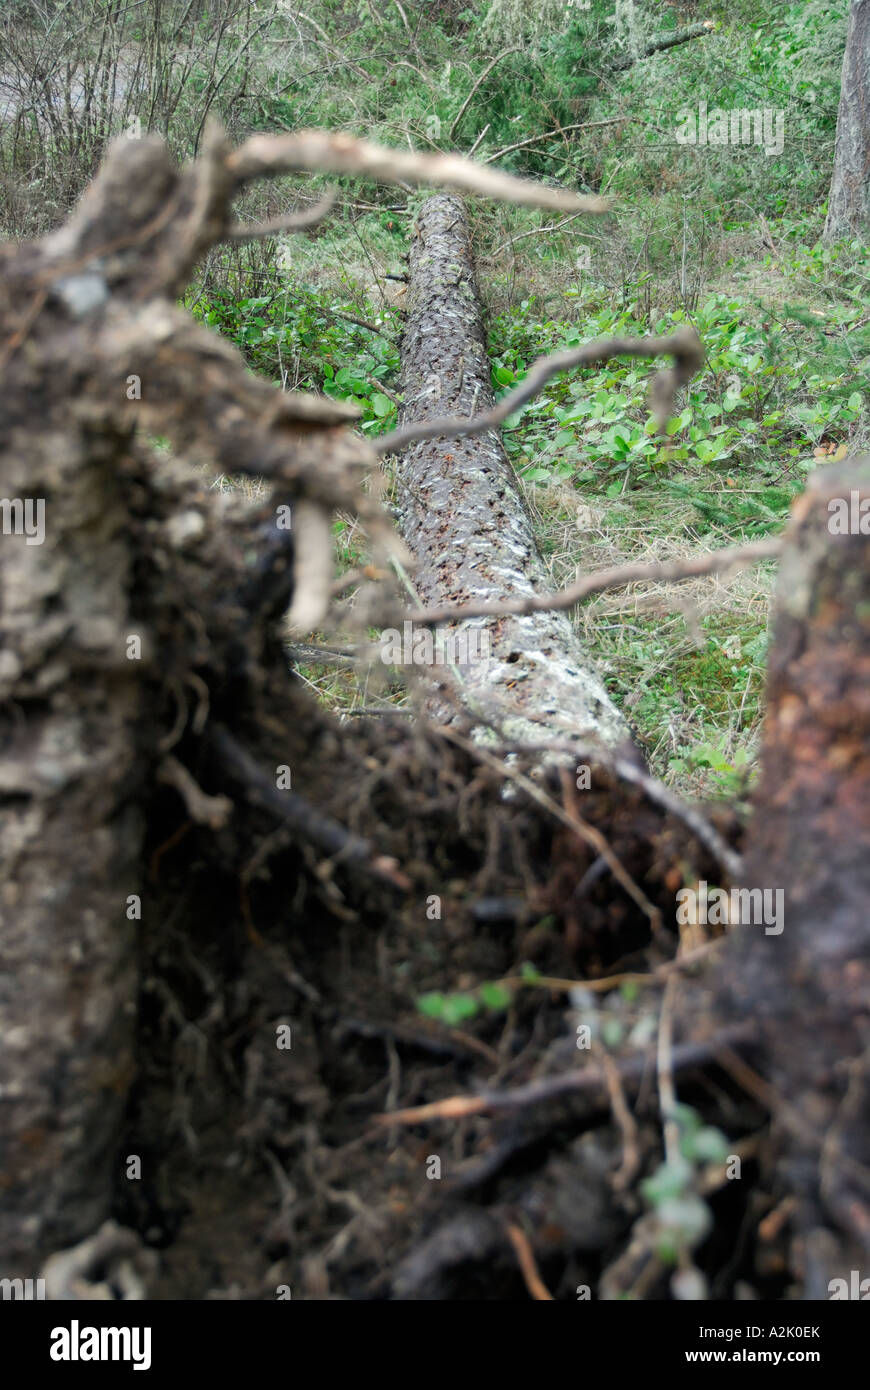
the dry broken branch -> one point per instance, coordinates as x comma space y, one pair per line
292, 222
551, 135
659, 571
309, 823
665, 41
505, 53
536, 231
320, 152
684, 346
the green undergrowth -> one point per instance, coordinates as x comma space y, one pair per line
773, 389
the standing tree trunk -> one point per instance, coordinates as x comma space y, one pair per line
849, 198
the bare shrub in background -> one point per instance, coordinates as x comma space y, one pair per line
73, 73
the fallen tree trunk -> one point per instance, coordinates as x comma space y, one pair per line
463, 517
663, 43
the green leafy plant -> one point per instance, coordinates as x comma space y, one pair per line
682, 1217
454, 1009
295, 328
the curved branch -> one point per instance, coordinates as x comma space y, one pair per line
322, 152
684, 346
588, 1079
660, 572
553, 135
292, 222
454, 126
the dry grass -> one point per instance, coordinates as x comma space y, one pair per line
663, 648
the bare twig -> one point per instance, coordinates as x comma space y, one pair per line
659, 572
353, 318
306, 820
322, 152
536, 231
630, 1164
528, 1266
551, 135
379, 386
592, 836
402, 13
202, 808
292, 222
665, 1071
603, 984
589, 1079
691, 817
454, 126
652, 788
327, 43
588, 833
684, 346
478, 140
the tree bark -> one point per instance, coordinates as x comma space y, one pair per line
849, 196
70, 825
92, 644
808, 983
